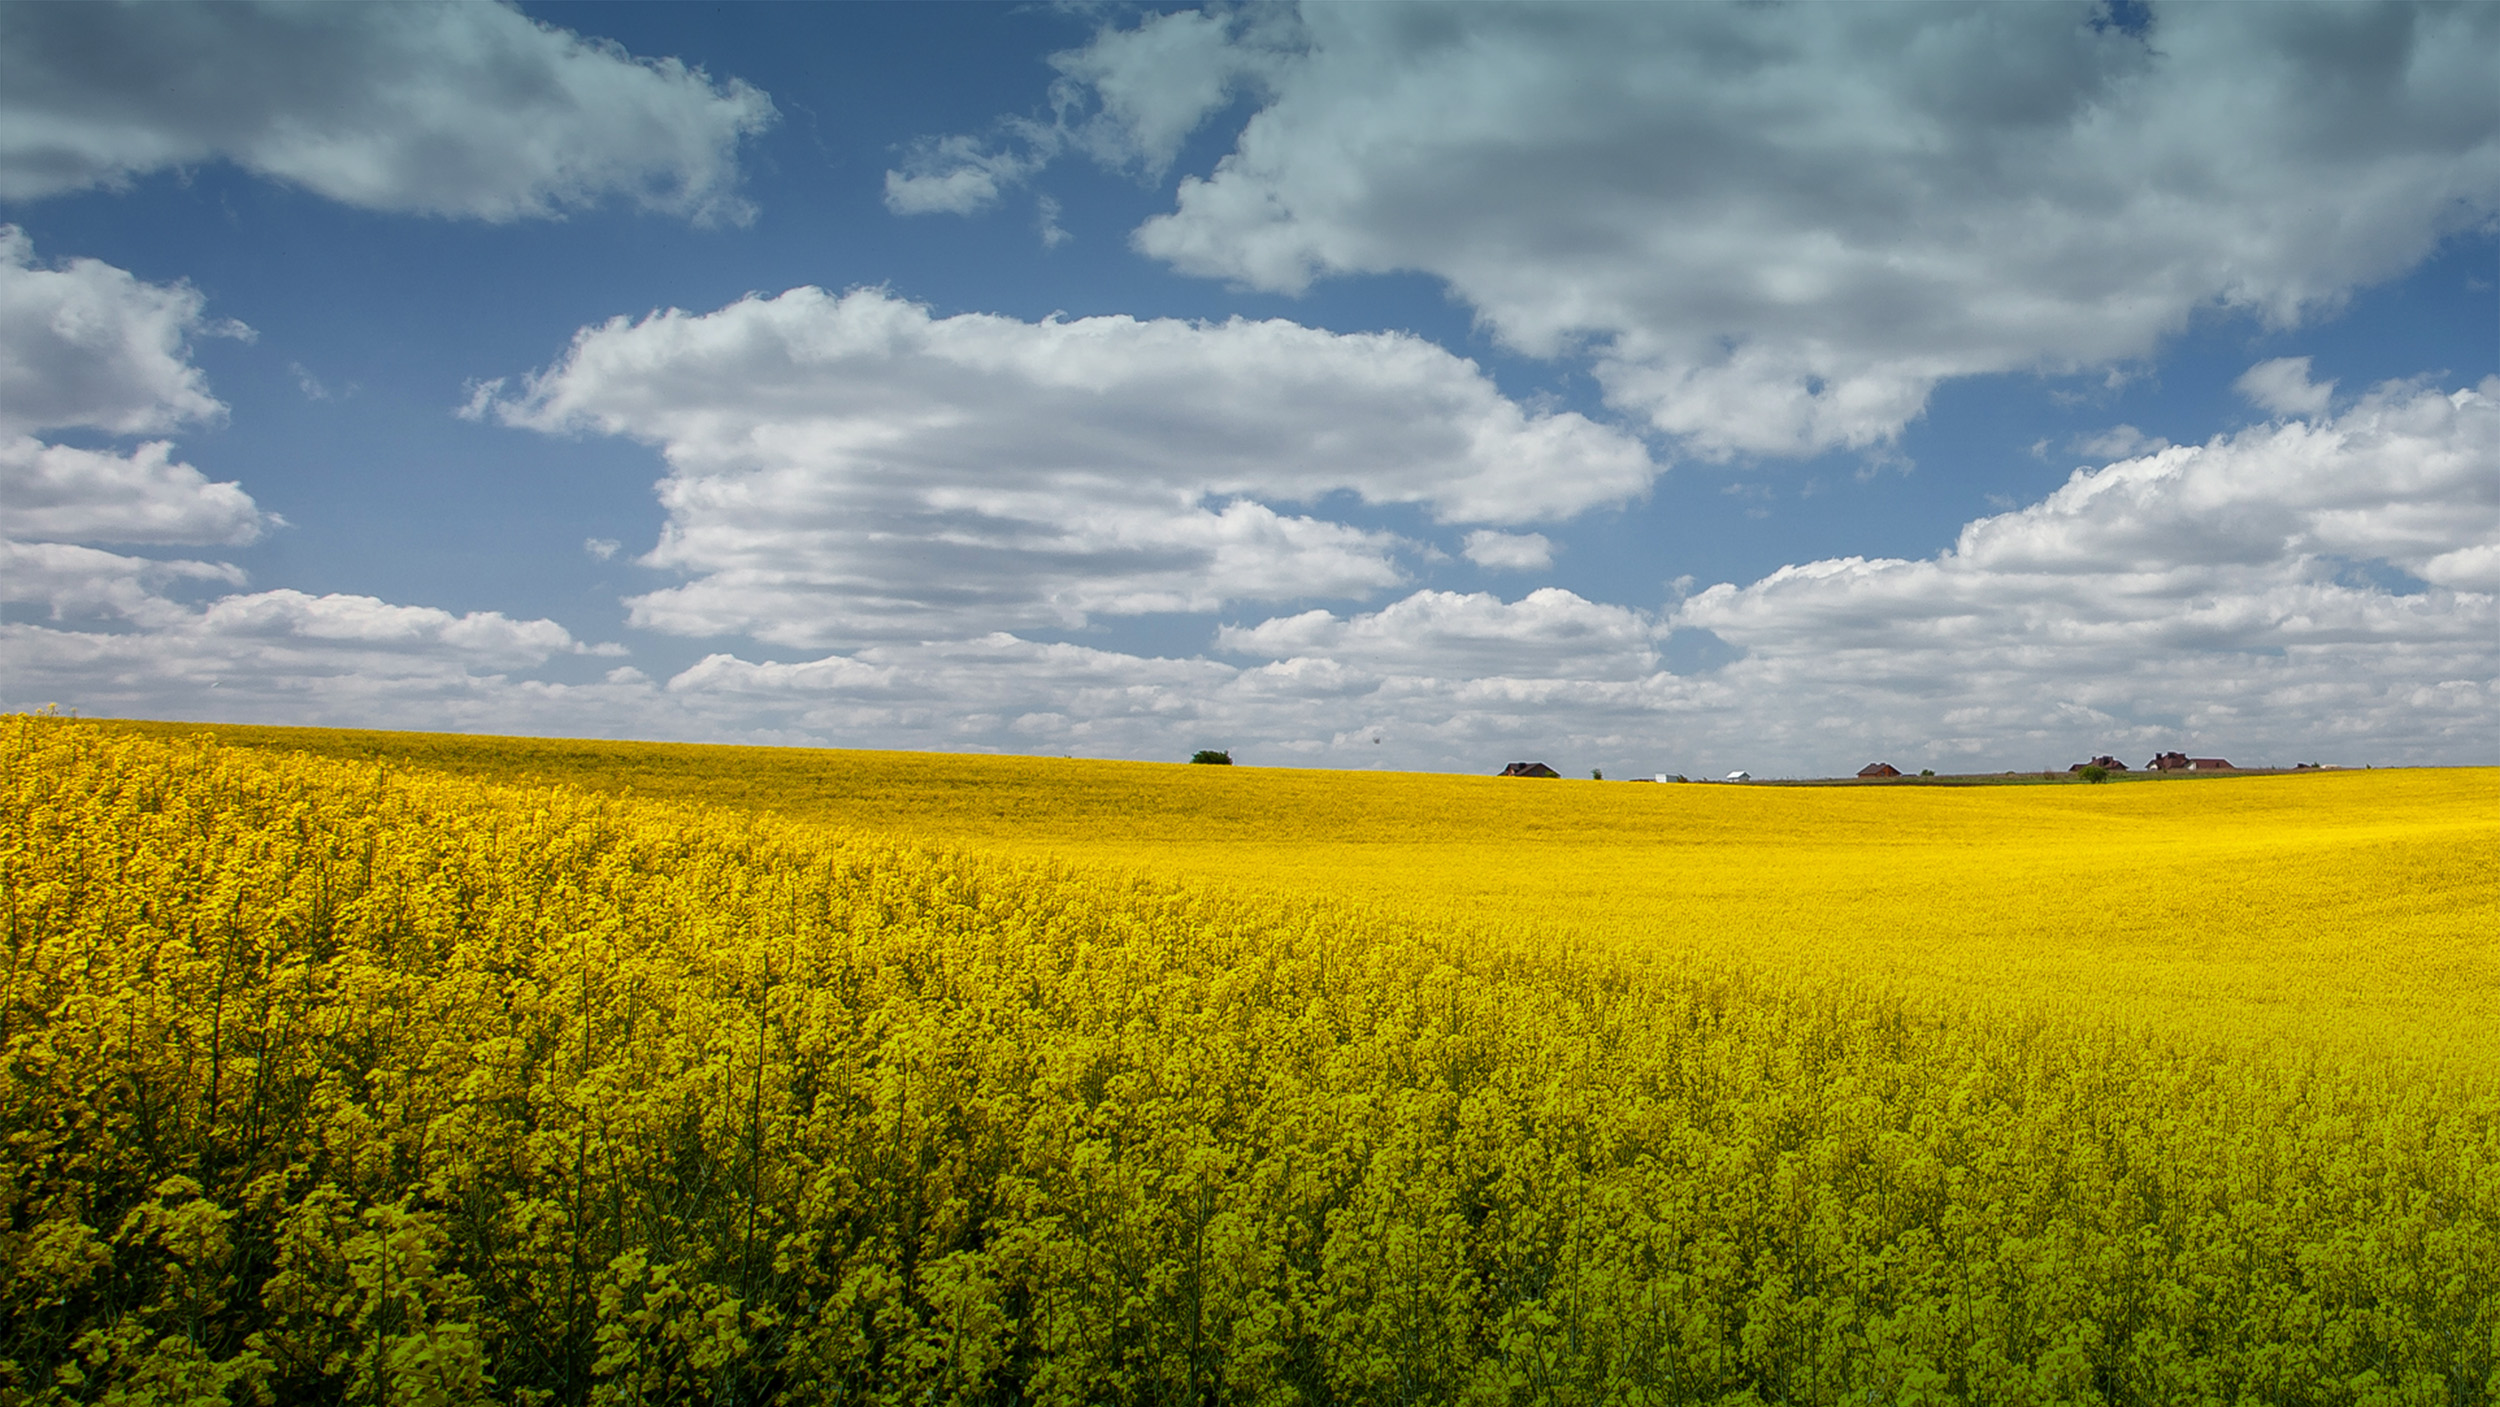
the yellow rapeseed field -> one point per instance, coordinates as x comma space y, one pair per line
360, 1068
2354, 908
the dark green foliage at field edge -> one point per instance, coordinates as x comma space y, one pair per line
320, 1085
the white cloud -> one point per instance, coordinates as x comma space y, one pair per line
314, 388
1156, 84
1129, 99
1776, 229
2116, 442
84, 587
86, 584
1509, 552
1548, 634
2406, 476
994, 691
1041, 561
955, 176
1403, 703
2197, 594
2283, 386
2247, 596
87, 346
60, 493
461, 110
2475, 568
2197, 597
601, 549
479, 398
292, 664
487, 636
850, 468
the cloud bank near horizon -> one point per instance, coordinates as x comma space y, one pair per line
2299, 589
85, 346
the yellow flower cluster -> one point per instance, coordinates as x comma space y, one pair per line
331, 1080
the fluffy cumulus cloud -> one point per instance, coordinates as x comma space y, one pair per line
1509, 552
2283, 387
85, 345
850, 468
61, 493
64, 581
1776, 230
2298, 589
2409, 477
462, 110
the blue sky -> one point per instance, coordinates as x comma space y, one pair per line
1676, 388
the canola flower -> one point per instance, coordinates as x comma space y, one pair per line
328, 1081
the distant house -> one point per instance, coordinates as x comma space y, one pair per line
2106, 764
1529, 769
1879, 769
1740, 776
2209, 764
2168, 762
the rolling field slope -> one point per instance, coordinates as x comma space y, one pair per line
333, 1080
2353, 908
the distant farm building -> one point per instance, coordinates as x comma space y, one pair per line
1879, 769
2181, 762
1529, 769
2106, 764
1740, 776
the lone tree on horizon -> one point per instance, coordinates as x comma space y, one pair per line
1212, 757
